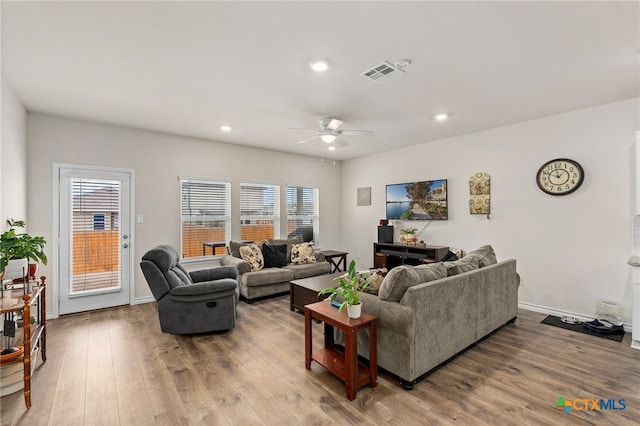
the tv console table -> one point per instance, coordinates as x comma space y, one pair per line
390, 255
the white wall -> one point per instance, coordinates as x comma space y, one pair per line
571, 250
158, 159
13, 158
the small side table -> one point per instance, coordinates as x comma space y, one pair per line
339, 265
213, 245
344, 365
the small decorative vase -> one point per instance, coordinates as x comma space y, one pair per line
354, 311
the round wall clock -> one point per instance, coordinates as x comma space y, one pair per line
560, 176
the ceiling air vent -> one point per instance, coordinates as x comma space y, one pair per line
381, 72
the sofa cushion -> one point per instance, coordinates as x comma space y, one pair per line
267, 276
302, 253
466, 264
275, 256
309, 269
399, 279
288, 242
485, 255
253, 255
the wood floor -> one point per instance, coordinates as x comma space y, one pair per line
114, 366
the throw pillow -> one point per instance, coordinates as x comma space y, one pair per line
253, 255
302, 253
485, 255
234, 248
275, 256
288, 242
466, 264
399, 279
376, 276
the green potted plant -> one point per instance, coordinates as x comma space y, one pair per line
15, 245
408, 235
347, 290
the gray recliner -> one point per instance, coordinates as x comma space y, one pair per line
190, 302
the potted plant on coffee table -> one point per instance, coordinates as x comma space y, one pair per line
14, 245
347, 290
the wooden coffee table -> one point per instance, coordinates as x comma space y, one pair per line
305, 290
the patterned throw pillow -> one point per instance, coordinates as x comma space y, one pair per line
376, 276
302, 253
253, 255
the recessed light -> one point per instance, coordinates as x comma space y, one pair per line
331, 148
441, 117
319, 65
225, 128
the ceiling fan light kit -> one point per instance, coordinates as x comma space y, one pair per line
328, 137
329, 133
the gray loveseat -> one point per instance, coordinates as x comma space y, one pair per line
422, 325
270, 280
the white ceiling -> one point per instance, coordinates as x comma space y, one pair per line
187, 68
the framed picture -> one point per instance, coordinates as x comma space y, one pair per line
364, 196
425, 200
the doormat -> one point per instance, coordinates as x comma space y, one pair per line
557, 322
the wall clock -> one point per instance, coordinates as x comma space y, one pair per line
560, 176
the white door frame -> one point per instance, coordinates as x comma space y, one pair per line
54, 283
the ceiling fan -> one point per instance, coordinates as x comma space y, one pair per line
329, 132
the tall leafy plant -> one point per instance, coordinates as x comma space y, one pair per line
348, 286
16, 245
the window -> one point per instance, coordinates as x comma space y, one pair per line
302, 212
205, 215
259, 211
99, 221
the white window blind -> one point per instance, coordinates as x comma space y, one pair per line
259, 211
95, 235
302, 212
205, 215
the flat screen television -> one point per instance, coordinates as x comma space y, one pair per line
425, 200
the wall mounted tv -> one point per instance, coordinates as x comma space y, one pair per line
426, 200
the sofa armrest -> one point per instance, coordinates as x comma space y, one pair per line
205, 288
241, 265
213, 274
319, 256
391, 315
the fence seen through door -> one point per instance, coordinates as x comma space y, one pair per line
194, 235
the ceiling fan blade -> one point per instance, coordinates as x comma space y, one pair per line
308, 139
341, 142
334, 124
357, 132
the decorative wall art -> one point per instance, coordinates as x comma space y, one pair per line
364, 196
480, 194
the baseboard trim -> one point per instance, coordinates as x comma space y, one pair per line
141, 300
559, 313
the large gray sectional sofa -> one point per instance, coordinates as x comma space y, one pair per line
422, 324
271, 281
